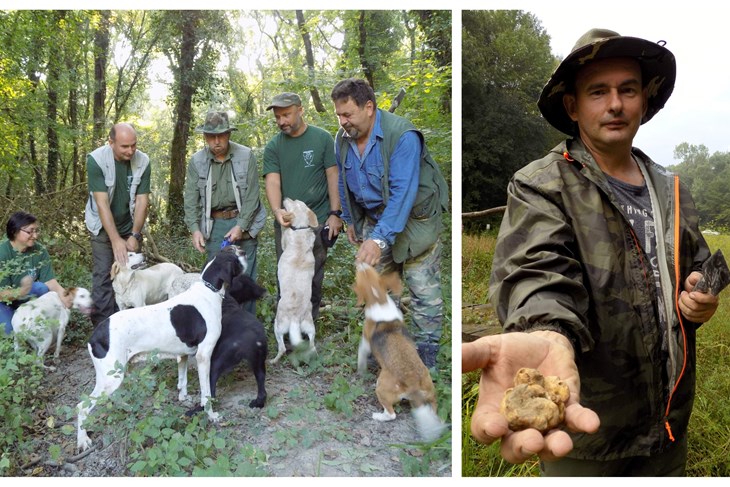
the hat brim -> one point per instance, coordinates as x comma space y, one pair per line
200, 130
658, 71
279, 105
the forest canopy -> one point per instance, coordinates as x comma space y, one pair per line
67, 75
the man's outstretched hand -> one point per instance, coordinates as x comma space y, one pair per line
500, 357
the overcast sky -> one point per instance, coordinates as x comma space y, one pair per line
699, 108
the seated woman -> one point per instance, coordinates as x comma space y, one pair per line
25, 267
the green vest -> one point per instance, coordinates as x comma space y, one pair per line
240, 156
424, 222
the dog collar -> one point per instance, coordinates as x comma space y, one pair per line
211, 287
300, 228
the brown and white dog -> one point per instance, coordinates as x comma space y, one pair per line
295, 272
134, 288
45, 318
402, 372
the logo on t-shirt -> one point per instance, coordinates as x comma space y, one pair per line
308, 158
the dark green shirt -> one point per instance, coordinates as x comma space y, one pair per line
301, 162
14, 265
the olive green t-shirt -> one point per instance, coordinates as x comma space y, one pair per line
301, 163
119, 203
14, 266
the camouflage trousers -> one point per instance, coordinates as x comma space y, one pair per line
248, 245
422, 275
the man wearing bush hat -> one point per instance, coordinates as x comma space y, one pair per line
299, 163
593, 276
222, 203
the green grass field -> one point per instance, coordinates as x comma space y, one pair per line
709, 431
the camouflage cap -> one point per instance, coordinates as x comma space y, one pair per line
658, 71
285, 100
215, 123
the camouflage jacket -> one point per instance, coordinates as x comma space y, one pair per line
568, 260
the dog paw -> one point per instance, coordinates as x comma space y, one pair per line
384, 416
183, 396
83, 442
214, 417
257, 403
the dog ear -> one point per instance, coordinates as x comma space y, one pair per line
358, 288
115, 269
312, 218
393, 283
244, 288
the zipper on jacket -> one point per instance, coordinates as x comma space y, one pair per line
676, 305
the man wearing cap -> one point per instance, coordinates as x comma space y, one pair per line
393, 195
222, 203
593, 276
119, 187
299, 163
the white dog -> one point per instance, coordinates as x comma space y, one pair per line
295, 272
183, 282
188, 324
135, 260
140, 287
44, 319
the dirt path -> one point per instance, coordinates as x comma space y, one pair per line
299, 435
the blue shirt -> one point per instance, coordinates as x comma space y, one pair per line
364, 180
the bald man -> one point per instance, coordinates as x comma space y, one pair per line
116, 210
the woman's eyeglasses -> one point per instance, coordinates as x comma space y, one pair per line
34, 231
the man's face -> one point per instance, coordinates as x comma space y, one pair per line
218, 143
356, 121
124, 144
289, 120
609, 102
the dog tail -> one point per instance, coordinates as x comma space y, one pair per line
428, 423
295, 334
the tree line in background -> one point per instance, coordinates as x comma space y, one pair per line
506, 60
67, 75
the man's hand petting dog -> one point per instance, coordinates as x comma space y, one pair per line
369, 253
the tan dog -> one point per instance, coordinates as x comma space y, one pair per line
402, 372
295, 272
140, 287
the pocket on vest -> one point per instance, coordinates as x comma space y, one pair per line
417, 237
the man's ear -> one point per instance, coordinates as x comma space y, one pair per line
370, 107
569, 103
645, 102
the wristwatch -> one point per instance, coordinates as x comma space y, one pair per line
337, 213
138, 236
381, 243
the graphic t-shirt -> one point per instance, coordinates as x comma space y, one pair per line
301, 162
635, 201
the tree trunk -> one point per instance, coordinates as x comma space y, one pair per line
101, 53
362, 51
74, 120
183, 116
52, 82
310, 62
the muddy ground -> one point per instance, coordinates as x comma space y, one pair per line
297, 433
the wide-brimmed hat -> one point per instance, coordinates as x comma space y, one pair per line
658, 71
285, 100
215, 123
